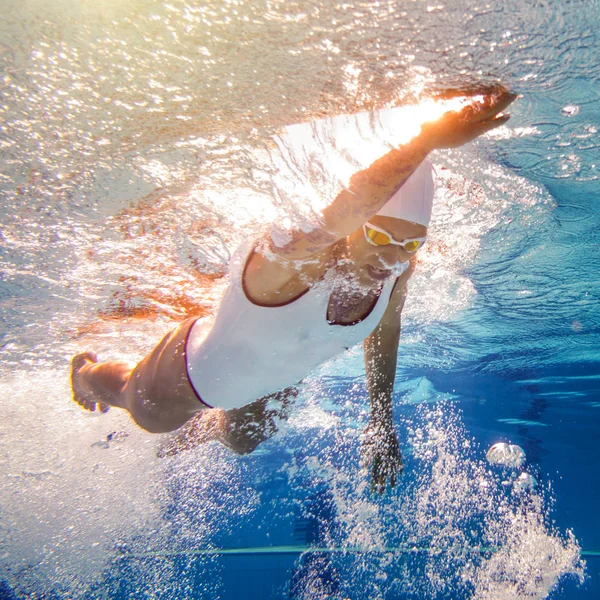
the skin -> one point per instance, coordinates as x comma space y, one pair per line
157, 393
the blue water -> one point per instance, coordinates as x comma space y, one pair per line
133, 140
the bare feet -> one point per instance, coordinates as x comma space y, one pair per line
207, 426
81, 363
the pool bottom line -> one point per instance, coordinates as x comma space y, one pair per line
280, 550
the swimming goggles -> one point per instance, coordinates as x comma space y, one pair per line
380, 237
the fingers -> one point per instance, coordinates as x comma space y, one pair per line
492, 106
476, 89
375, 476
382, 473
485, 126
378, 476
496, 99
501, 102
381, 455
486, 111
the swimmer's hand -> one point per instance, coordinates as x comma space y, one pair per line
454, 129
380, 454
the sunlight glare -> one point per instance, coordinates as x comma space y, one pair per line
413, 117
317, 159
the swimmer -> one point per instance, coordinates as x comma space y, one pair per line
290, 308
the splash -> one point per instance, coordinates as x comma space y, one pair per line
453, 531
313, 162
459, 506
83, 492
65, 500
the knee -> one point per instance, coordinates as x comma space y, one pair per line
245, 437
244, 445
148, 413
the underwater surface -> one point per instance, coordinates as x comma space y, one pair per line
137, 153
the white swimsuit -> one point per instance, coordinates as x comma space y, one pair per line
253, 351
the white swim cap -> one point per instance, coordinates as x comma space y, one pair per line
414, 200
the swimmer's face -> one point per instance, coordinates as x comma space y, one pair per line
377, 263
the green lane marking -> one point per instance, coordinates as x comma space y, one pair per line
407, 549
404, 549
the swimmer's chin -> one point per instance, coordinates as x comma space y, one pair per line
378, 274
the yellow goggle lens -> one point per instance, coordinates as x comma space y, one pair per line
412, 246
378, 237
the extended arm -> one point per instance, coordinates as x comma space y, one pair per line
371, 188
380, 448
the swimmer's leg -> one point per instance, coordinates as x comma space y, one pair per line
251, 425
157, 392
206, 426
240, 429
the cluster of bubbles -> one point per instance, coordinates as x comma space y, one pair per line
452, 529
512, 458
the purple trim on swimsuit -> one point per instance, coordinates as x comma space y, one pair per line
302, 293
245, 290
187, 337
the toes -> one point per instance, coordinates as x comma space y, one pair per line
79, 394
79, 360
91, 406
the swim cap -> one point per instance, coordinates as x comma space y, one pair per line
414, 200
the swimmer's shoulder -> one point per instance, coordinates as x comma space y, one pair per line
269, 277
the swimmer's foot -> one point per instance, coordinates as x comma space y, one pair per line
207, 426
82, 394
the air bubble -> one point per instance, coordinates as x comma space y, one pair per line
506, 455
524, 483
570, 110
